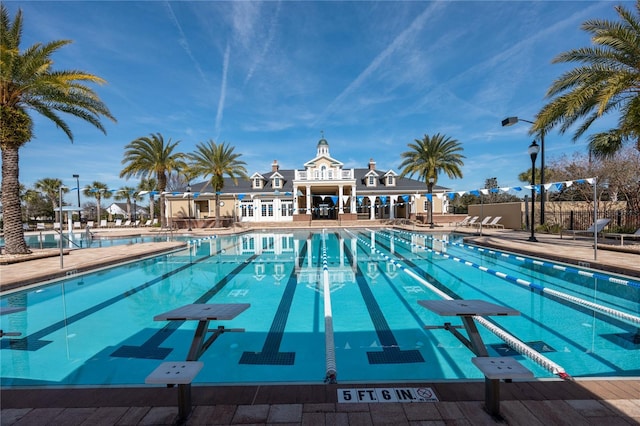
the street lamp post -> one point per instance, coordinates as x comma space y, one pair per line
431, 180
189, 204
78, 188
135, 208
533, 153
509, 121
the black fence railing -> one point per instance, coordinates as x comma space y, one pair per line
621, 220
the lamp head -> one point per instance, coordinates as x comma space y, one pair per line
76, 176
533, 150
509, 121
188, 187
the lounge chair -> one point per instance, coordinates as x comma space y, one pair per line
127, 223
26, 227
148, 223
623, 235
494, 223
56, 225
90, 224
472, 221
77, 225
484, 222
595, 227
40, 226
103, 223
118, 223
463, 222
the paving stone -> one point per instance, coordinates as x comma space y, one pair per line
285, 413
251, 414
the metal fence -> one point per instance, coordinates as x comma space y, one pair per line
621, 220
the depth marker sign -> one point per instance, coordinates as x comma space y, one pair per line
369, 395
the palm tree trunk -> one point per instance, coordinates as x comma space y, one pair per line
12, 213
217, 224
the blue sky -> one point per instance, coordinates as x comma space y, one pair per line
268, 77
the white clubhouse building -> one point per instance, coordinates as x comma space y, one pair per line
322, 190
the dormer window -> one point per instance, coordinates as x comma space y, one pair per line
277, 182
257, 183
371, 181
391, 181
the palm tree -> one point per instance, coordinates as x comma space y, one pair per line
50, 187
27, 81
149, 186
217, 161
606, 81
431, 156
126, 193
99, 191
151, 157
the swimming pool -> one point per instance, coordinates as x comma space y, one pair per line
98, 328
73, 240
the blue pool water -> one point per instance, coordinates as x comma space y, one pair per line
75, 240
98, 329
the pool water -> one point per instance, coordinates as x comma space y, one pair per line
98, 328
75, 240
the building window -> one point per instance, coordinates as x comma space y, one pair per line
257, 183
317, 174
323, 172
247, 209
330, 174
286, 209
276, 182
267, 209
390, 181
372, 181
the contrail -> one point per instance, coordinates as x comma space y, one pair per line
397, 43
183, 42
267, 45
223, 90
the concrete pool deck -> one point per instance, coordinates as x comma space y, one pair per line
539, 402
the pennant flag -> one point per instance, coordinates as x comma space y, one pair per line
345, 198
568, 183
334, 198
558, 186
475, 192
517, 188
383, 198
241, 196
548, 185
494, 190
360, 198
405, 198
451, 195
195, 194
429, 197
484, 191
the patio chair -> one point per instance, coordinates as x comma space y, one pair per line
103, 223
148, 223
472, 221
622, 235
118, 223
494, 223
483, 223
90, 224
77, 225
40, 226
595, 227
127, 223
463, 222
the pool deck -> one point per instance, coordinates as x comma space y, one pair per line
610, 401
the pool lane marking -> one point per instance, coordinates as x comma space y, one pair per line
270, 353
537, 262
391, 352
510, 340
528, 284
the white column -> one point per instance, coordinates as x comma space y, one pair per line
372, 203
353, 199
309, 200
340, 202
392, 206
